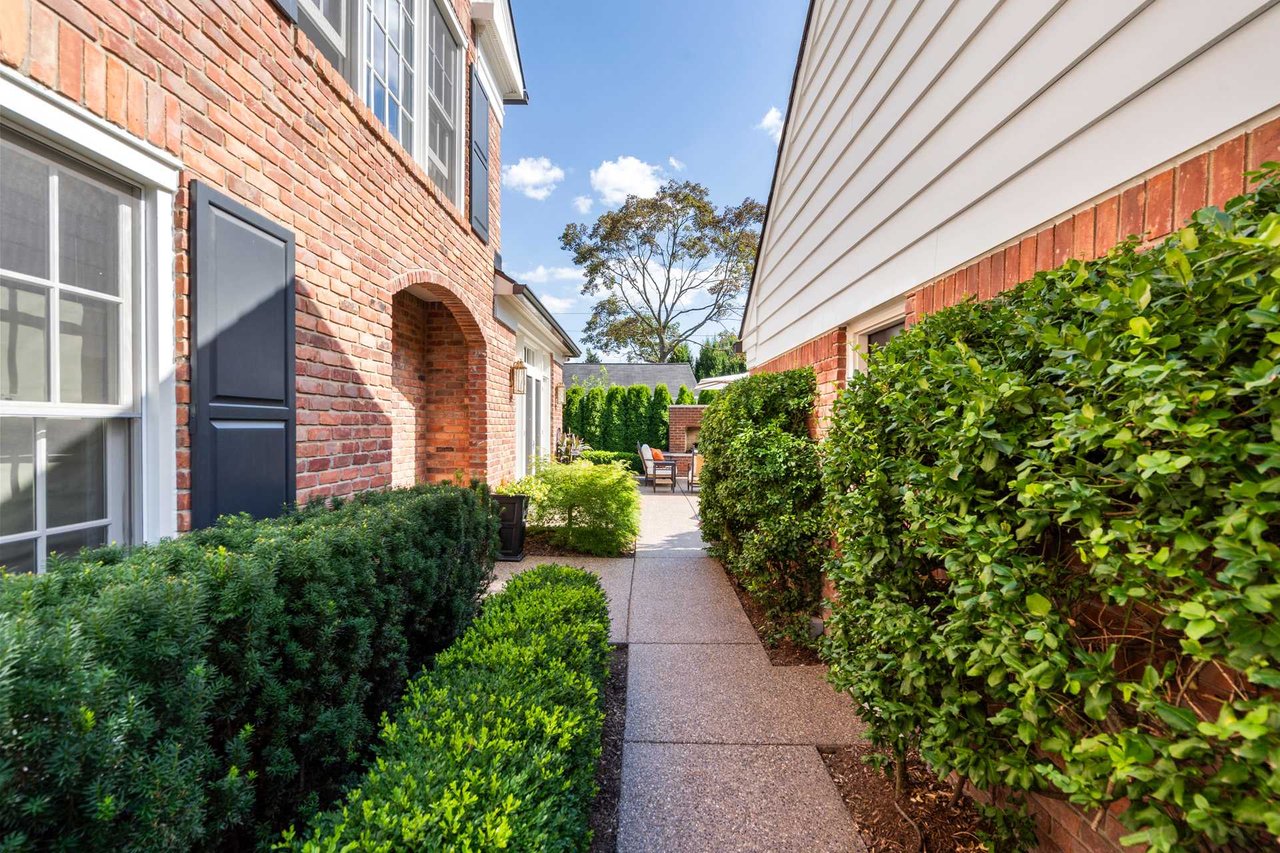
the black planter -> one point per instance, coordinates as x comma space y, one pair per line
513, 509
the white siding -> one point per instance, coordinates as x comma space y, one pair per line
928, 132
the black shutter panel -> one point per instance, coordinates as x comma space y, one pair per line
479, 158
242, 367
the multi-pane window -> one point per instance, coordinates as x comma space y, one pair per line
330, 17
68, 243
444, 92
390, 66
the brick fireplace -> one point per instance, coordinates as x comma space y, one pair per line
683, 424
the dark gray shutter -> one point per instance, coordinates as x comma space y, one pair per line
479, 158
242, 366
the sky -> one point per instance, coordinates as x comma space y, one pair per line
623, 96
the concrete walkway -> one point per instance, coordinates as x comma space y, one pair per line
720, 745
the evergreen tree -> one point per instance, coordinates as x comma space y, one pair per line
637, 404
707, 395
685, 397
717, 358
658, 416
572, 416
593, 417
681, 354
614, 421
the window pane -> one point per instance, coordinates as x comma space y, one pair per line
17, 475
76, 481
88, 349
24, 341
19, 556
332, 10
24, 213
88, 235
69, 544
883, 336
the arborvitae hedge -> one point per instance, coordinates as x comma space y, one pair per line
760, 491
613, 419
495, 748
572, 417
659, 414
614, 430
684, 397
1058, 513
205, 692
638, 400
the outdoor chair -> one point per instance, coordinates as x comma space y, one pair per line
695, 471
656, 471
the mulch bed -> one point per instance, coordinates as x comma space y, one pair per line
784, 652
868, 794
604, 811
539, 545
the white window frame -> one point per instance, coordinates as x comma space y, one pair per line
420, 150
316, 16
858, 331
537, 362
45, 118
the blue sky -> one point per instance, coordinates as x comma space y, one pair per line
623, 89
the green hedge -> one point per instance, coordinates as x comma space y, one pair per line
207, 691
496, 747
760, 491
605, 457
1058, 512
613, 419
582, 506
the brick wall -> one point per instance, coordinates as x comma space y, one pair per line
248, 105
680, 419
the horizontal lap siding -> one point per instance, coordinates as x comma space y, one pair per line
923, 134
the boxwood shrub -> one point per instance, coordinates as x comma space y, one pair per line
205, 692
1057, 514
760, 488
496, 747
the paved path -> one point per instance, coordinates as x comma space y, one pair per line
720, 745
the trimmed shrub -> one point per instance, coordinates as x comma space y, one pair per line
606, 457
1056, 514
495, 748
582, 506
707, 396
684, 397
760, 494
571, 419
218, 686
659, 407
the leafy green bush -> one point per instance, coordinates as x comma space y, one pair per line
1057, 515
495, 748
216, 687
582, 506
760, 494
606, 457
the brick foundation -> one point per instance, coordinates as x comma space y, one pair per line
242, 98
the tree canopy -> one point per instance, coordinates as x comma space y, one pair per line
717, 358
664, 268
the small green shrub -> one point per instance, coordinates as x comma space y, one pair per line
206, 691
495, 748
1057, 515
582, 506
606, 457
760, 494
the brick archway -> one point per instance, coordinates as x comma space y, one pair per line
439, 370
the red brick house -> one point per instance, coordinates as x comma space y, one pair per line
251, 254
940, 152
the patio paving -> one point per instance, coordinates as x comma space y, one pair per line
720, 749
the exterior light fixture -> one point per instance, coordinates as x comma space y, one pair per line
560, 394
518, 372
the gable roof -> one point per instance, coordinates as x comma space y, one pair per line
672, 375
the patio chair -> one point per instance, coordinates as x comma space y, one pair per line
695, 471
656, 471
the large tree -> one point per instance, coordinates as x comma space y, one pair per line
664, 268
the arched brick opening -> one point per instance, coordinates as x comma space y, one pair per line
439, 358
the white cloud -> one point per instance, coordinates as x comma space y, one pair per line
536, 177
678, 165
543, 274
614, 180
583, 203
558, 303
772, 124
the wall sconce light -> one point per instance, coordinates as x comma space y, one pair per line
518, 373
560, 394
